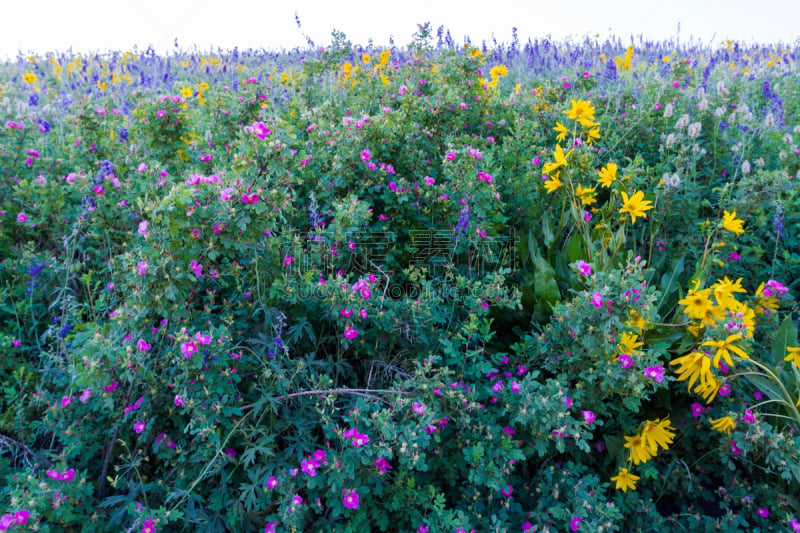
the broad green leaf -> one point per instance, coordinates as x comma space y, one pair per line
614, 445
547, 230
766, 386
574, 248
544, 280
669, 282
785, 336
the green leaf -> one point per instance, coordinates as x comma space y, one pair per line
545, 283
574, 248
544, 278
547, 231
785, 336
767, 387
669, 282
614, 445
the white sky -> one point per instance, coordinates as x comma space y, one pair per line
100, 25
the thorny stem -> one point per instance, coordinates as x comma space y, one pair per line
101, 489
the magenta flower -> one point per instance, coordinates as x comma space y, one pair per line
22, 217
160, 113
625, 360
196, 268
226, 193
143, 346
763, 512
775, 286
261, 130
16, 343
655, 372
270, 527
319, 456
749, 417
507, 491
735, 450
21, 517
6, 521
584, 268
272, 482
575, 523
350, 499
188, 349
498, 386
382, 464
141, 268
297, 500
149, 526
419, 408
143, 227
350, 333
178, 400
697, 409
139, 426
309, 467
85, 395
428, 180
67, 475
366, 155
65, 401
588, 417
202, 338
134, 406
360, 440
597, 300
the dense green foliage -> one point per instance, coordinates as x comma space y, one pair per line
432, 289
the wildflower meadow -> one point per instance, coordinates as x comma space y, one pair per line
447, 287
